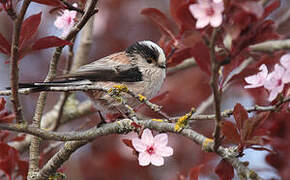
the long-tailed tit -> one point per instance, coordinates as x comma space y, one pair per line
141, 67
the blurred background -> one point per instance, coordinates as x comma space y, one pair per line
117, 25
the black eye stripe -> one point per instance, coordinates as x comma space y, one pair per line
149, 53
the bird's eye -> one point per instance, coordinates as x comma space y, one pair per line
149, 60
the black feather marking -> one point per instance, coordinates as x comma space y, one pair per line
147, 52
119, 74
131, 74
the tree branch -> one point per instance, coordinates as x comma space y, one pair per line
111, 127
58, 159
271, 46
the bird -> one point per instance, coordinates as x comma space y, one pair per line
141, 67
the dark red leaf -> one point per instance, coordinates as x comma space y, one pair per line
230, 132
48, 42
224, 170
174, 6
160, 20
2, 103
8, 158
252, 124
254, 8
7, 118
270, 8
185, 17
22, 169
19, 138
242, 19
194, 172
200, 52
264, 32
50, 2
179, 56
4, 134
160, 97
276, 160
4, 45
29, 28
128, 142
240, 115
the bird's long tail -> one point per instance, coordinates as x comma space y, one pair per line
42, 86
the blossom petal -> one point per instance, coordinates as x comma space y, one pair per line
258, 79
278, 70
285, 61
164, 151
254, 81
59, 23
139, 145
197, 11
218, 7
144, 159
66, 21
252, 86
286, 77
201, 23
264, 70
161, 139
273, 95
157, 160
147, 137
216, 20
217, 1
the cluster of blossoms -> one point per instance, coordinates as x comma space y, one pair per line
152, 149
207, 12
66, 21
275, 81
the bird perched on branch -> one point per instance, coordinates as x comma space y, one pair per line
141, 67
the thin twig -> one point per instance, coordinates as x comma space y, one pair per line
214, 83
184, 65
83, 50
153, 107
11, 12
63, 97
271, 46
71, 7
14, 62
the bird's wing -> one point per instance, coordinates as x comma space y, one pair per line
116, 68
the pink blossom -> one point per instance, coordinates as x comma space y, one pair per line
66, 21
274, 83
285, 62
258, 79
217, 1
152, 149
207, 12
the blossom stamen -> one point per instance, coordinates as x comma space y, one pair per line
150, 150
